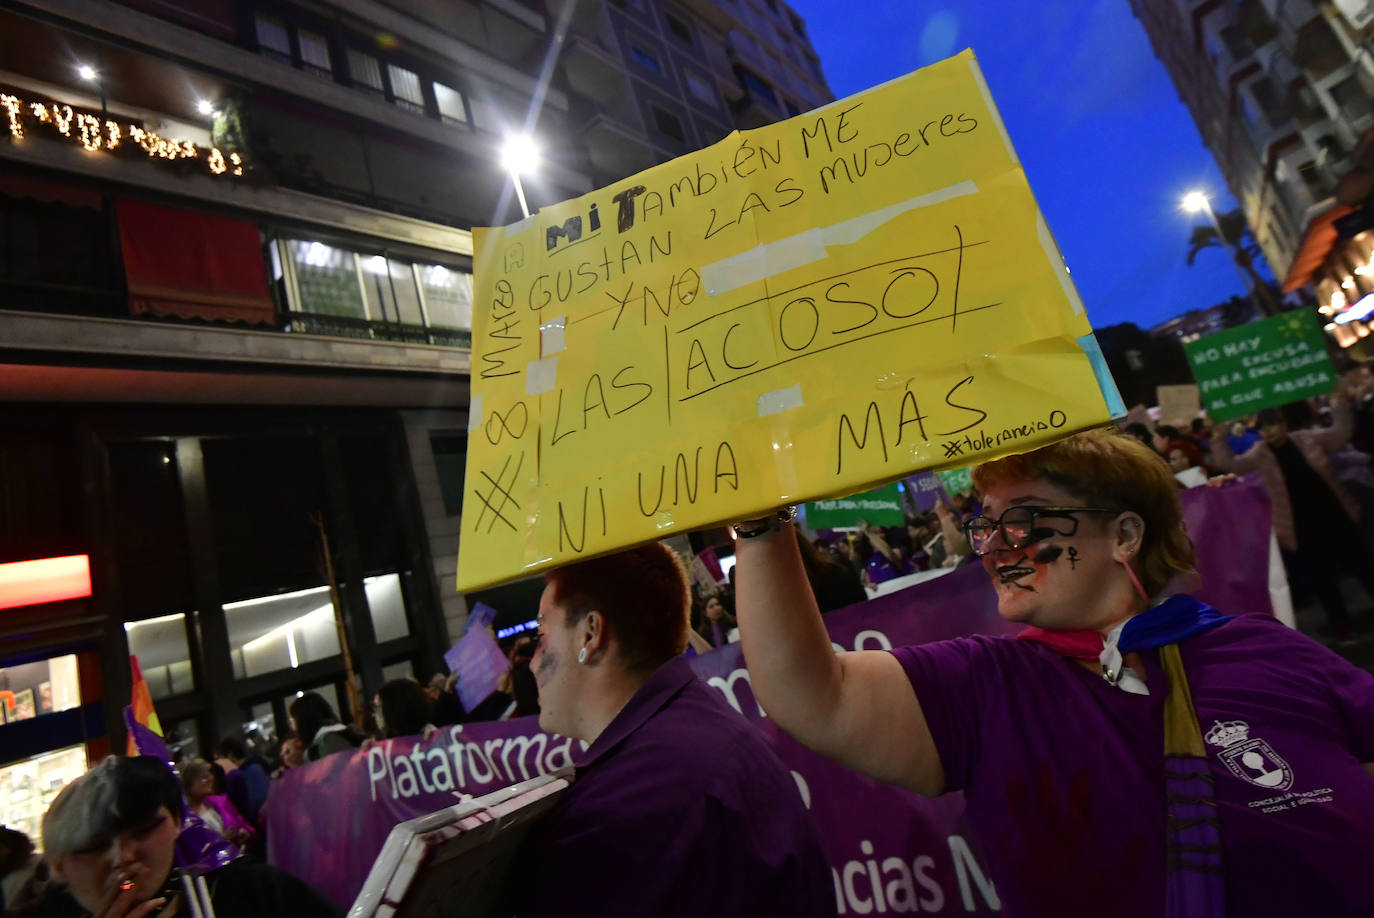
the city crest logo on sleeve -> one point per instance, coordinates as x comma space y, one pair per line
1252, 760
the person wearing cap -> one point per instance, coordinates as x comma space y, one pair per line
1129, 753
111, 840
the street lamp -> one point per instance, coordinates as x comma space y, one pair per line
205, 106
1197, 201
520, 154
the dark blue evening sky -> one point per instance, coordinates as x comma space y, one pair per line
1106, 143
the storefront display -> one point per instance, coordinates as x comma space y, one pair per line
28, 787
43, 687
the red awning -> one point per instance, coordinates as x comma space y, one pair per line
193, 266
1317, 243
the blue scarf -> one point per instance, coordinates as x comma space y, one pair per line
1176, 619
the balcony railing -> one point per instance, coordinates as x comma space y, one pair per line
372, 330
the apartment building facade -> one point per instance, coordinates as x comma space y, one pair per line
1283, 94
235, 324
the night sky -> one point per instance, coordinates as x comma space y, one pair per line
1107, 145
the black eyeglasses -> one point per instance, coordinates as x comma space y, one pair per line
1022, 526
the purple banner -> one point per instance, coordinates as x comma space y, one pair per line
890, 850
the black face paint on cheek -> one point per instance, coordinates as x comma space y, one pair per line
1048, 555
1073, 557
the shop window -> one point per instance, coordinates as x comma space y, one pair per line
261, 722
448, 296
450, 104
183, 739
314, 52
28, 787
273, 37
646, 60
365, 71
405, 88
272, 633
31, 690
330, 693
701, 90
326, 279
405, 669
164, 654
450, 448
387, 605
668, 123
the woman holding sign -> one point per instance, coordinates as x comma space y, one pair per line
1125, 754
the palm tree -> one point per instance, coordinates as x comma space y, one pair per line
1245, 251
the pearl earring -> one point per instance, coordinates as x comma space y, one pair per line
582, 655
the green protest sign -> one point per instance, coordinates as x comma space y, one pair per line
957, 481
1243, 370
881, 507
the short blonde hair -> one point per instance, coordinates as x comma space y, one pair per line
1113, 470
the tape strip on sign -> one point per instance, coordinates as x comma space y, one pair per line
765, 261
475, 412
780, 400
551, 336
541, 376
992, 109
1110, 393
1061, 268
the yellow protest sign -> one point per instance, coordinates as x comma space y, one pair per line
797, 312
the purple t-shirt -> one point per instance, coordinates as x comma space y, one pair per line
1063, 773
679, 808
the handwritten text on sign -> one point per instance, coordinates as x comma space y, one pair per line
796, 312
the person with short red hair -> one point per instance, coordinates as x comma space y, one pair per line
676, 793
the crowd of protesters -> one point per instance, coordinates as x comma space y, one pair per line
1313, 458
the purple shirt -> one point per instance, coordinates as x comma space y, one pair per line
679, 808
1063, 773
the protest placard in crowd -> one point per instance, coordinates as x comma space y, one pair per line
878, 507
797, 312
1261, 364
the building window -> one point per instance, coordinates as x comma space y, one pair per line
798, 25
701, 90
163, 653
1351, 99
365, 71
757, 86
314, 52
681, 31
272, 36
792, 109
387, 607
450, 448
450, 104
373, 293
326, 280
646, 60
669, 124
448, 296
34, 689
773, 6
405, 88
272, 633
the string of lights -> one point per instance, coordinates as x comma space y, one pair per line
95, 134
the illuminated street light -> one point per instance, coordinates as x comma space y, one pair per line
1197, 201
88, 73
205, 107
520, 156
